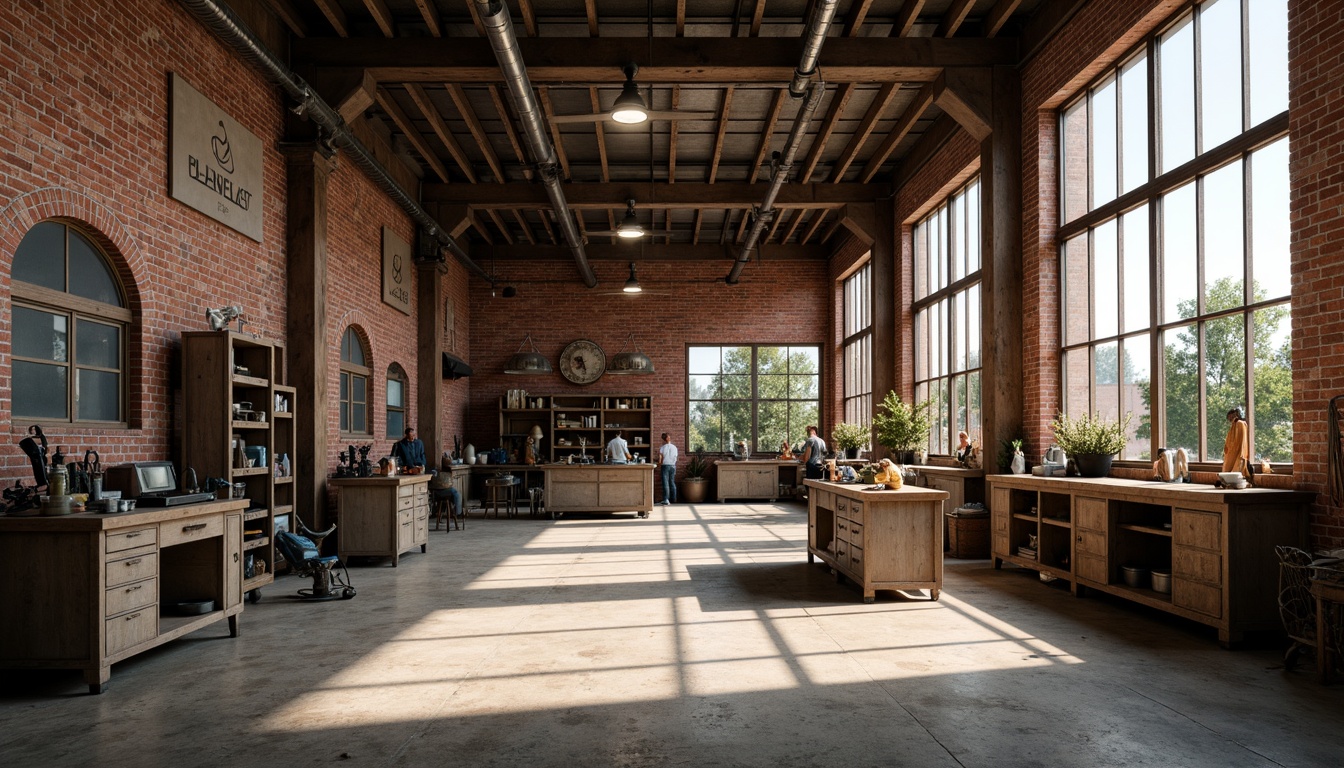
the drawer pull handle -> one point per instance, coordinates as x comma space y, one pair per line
130, 563
190, 528
133, 616
134, 535
132, 589
235, 557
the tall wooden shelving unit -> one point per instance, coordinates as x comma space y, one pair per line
563, 417
220, 369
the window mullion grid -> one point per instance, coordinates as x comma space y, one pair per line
1198, 44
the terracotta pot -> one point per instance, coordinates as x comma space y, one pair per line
692, 490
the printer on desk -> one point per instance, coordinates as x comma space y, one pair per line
151, 484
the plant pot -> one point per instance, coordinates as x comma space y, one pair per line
1093, 464
692, 490
852, 453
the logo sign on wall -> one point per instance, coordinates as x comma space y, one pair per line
396, 271
214, 164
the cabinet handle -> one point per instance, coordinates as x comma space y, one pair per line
133, 616
134, 535
196, 527
129, 563
132, 589
235, 557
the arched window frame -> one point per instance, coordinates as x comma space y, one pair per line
78, 312
355, 393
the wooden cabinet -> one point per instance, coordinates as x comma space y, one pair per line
753, 479
86, 591
599, 488
233, 388
890, 540
577, 424
382, 516
962, 486
1217, 543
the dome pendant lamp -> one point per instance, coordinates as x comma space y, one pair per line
630, 362
523, 362
629, 107
632, 284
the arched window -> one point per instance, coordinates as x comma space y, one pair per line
354, 385
69, 329
396, 401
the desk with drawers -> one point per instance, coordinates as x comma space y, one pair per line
86, 591
381, 516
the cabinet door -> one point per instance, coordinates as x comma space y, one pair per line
233, 560
999, 506
764, 485
733, 483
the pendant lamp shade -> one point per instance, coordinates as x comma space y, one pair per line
524, 362
632, 284
629, 107
629, 226
635, 361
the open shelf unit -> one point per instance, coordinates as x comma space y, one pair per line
569, 421
220, 370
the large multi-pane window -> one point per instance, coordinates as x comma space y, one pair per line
857, 348
764, 394
354, 395
947, 317
69, 325
1175, 234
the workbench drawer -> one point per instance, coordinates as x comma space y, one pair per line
405, 502
856, 532
123, 540
856, 560
1192, 528
128, 597
132, 569
1197, 597
132, 629
405, 530
190, 529
406, 491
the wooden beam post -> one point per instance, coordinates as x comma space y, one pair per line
886, 305
308, 171
967, 95
1001, 277
861, 220
429, 357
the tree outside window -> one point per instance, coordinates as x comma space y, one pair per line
764, 394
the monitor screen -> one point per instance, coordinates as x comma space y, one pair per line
156, 477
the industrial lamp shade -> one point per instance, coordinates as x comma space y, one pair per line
629, 107
632, 284
630, 226
525, 362
624, 362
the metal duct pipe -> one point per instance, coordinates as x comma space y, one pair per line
766, 213
226, 25
499, 28
815, 36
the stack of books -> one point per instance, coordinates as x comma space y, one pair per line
1027, 552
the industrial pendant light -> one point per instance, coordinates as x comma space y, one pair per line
630, 226
523, 362
629, 107
632, 285
630, 362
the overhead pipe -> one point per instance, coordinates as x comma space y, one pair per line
813, 37
499, 29
225, 24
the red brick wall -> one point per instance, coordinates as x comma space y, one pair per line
1316, 132
456, 394
773, 304
84, 110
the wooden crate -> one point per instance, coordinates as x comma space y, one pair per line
968, 537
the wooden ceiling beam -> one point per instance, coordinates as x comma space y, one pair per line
681, 18
905, 20
756, 18
408, 129
382, 17
499, 222
774, 225
833, 115
478, 133
857, 14
556, 138
590, 8
431, 114
551, 60
742, 226
286, 12
998, 16
695, 228
864, 130
727, 225
546, 224
643, 251
335, 16
954, 18
767, 134
529, 17
672, 138
812, 228
498, 99
797, 219
723, 131
430, 13
909, 117
475, 18
680, 196
519, 217
601, 137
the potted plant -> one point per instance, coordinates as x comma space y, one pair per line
850, 438
1091, 441
694, 487
901, 426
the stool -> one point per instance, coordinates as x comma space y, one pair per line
503, 486
448, 502
536, 498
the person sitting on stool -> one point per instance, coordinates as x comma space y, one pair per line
409, 451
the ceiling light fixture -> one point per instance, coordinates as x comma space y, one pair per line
630, 362
632, 285
629, 107
630, 226
522, 362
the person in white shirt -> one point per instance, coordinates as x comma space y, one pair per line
617, 451
667, 469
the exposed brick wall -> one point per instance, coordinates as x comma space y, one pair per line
455, 396
84, 105
773, 304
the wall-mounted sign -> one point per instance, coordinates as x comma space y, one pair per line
396, 271
214, 164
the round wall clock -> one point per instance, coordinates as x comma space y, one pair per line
582, 362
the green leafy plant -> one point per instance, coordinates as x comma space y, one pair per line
697, 468
847, 436
1091, 434
902, 426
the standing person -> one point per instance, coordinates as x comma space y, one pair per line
667, 469
814, 452
1237, 447
409, 451
617, 451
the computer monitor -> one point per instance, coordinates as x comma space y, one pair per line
143, 478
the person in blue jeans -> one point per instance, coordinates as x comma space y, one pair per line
667, 469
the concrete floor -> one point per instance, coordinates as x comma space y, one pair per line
701, 637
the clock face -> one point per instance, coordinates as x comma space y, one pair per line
582, 362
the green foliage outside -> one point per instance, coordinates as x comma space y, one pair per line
786, 400
901, 426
